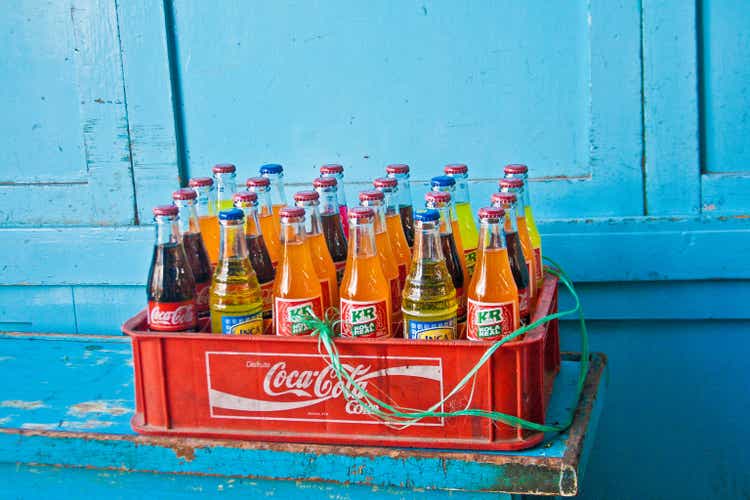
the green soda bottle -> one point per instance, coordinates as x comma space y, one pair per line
429, 302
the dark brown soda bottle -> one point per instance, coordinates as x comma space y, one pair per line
195, 249
330, 220
400, 172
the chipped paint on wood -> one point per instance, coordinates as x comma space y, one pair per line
23, 405
103, 406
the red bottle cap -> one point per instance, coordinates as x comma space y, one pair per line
184, 194
224, 168
258, 182
491, 213
511, 183
385, 182
201, 182
516, 168
397, 168
437, 197
456, 168
306, 196
331, 168
245, 196
322, 182
371, 195
504, 198
292, 212
165, 210
361, 214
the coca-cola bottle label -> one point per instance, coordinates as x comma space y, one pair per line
171, 316
289, 314
201, 296
490, 320
538, 261
364, 319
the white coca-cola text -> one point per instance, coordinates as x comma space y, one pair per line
181, 316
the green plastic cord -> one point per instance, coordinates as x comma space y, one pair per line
394, 415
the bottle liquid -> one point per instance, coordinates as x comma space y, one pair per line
493, 297
330, 218
365, 292
518, 171
324, 266
447, 184
429, 300
275, 174
225, 185
389, 187
296, 290
235, 298
467, 228
260, 260
519, 266
205, 205
337, 172
192, 242
170, 287
268, 227
374, 200
400, 172
515, 186
440, 201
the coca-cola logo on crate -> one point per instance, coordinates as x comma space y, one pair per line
302, 387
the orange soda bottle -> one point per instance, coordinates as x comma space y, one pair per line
374, 200
447, 184
365, 292
322, 260
205, 206
493, 297
520, 171
515, 186
296, 290
270, 229
389, 187
275, 174
519, 266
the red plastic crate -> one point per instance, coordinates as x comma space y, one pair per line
272, 388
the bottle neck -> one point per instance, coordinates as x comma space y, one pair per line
292, 231
510, 223
525, 179
233, 245
427, 243
278, 195
362, 239
520, 205
252, 227
167, 231
390, 200
188, 217
328, 202
313, 224
461, 193
451, 204
264, 200
203, 205
341, 195
379, 222
446, 226
491, 235
225, 186
403, 194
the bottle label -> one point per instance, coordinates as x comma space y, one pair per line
539, 266
242, 324
340, 267
266, 292
201, 296
431, 330
288, 314
471, 260
364, 319
171, 316
461, 311
491, 320
325, 287
523, 305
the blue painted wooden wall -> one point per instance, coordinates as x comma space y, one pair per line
632, 115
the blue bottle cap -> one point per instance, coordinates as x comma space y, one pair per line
231, 214
442, 181
429, 215
271, 168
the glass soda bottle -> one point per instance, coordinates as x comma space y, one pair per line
235, 298
205, 205
324, 266
429, 300
389, 187
170, 287
515, 186
467, 228
440, 201
519, 171
337, 172
257, 251
225, 185
268, 226
192, 242
447, 184
330, 219
296, 291
519, 266
493, 297
400, 172
374, 200
365, 292
275, 174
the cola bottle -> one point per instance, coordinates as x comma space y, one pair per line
171, 286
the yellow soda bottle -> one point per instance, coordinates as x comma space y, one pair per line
520, 171
235, 298
429, 299
467, 228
